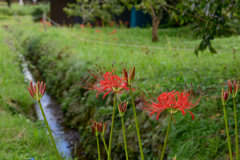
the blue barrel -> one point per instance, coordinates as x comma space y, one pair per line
140, 19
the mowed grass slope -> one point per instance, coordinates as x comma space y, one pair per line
20, 138
171, 62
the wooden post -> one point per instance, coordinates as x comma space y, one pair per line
18, 20
44, 22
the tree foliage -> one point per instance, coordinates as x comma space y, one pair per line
210, 18
89, 10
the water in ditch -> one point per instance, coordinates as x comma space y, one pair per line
67, 140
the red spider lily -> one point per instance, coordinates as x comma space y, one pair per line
172, 101
112, 23
98, 31
114, 31
81, 25
126, 22
47, 23
37, 91
105, 82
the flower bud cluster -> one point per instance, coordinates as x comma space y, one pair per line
129, 79
37, 91
235, 86
122, 107
99, 128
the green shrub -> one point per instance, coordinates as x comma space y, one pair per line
39, 10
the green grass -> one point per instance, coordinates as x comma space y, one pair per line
63, 58
20, 137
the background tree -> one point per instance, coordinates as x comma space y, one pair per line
9, 3
210, 19
90, 10
155, 8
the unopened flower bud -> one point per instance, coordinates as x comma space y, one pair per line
230, 86
101, 127
122, 107
30, 92
225, 96
129, 78
105, 126
133, 74
93, 130
235, 86
125, 74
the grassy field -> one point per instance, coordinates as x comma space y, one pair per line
20, 137
63, 55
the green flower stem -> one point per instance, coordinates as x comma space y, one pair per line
229, 143
110, 141
236, 130
49, 131
136, 123
124, 137
98, 148
104, 142
165, 142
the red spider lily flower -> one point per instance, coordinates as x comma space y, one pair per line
37, 91
114, 31
112, 23
105, 82
126, 22
47, 23
98, 31
81, 25
172, 101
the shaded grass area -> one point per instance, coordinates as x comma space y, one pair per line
63, 60
20, 137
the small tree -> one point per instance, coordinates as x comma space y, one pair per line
155, 8
89, 10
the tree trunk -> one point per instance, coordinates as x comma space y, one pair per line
9, 3
155, 24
